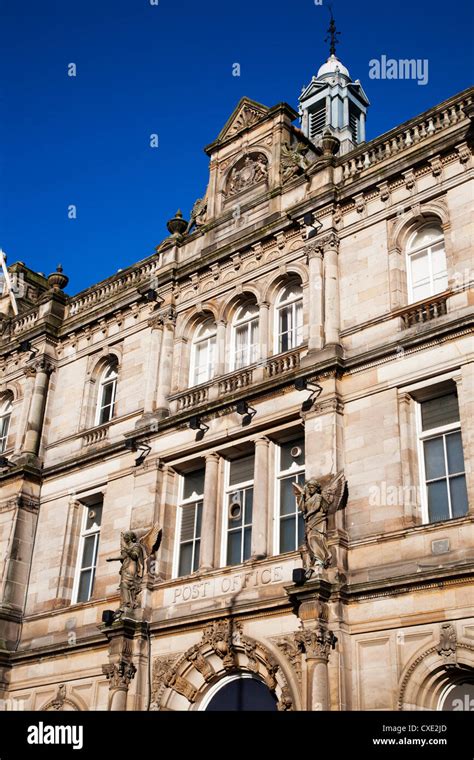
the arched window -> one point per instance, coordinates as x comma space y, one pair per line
245, 336
289, 313
106, 395
203, 353
5, 416
239, 692
426, 263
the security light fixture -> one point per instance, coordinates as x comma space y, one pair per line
302, 384
195, 423
150, 294
299, 576
131, 444
311, 224
246, 411
5, 462
108, 617
25, 345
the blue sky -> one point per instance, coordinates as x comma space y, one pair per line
166, 69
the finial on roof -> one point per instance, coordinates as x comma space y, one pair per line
333, 35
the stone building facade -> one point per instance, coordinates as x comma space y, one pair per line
313, 316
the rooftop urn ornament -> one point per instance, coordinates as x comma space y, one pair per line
57, 279
317, 499
329, 143
177, 225
134, 551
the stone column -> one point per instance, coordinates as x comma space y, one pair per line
166, 365
221, 367
314, 253
332, 320
34, 427
316, 641
408, 455
209, 513
127, 642
153, 362
263, 331
259, 548
465, 388
30, 375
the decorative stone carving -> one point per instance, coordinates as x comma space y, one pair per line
316, 500
220, 636
448, 644
246, 118
316, 643
198, 215
285, 702
161, 667
119, 674
250, 648
61, 703
194, 655
293, 160
181, 686
292, 651
249, 171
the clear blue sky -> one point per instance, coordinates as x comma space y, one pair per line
167, 69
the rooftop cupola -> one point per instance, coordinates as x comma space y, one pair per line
333, 101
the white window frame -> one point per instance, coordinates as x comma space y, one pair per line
229, 489
422, 436
292, 303
6, 410
210, 339
103, 382
251, 349
182, 502
84, 534
411, 252
280, 475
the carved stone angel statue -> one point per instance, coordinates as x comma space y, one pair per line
317, 499
134, 551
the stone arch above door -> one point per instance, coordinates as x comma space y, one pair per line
181, 681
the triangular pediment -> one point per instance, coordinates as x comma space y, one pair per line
246, 114
314, 86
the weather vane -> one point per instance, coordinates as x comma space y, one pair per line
333, 34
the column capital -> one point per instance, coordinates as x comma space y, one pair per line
156, 322
119, 674
262, 441
212, 457
43, 364
316, 643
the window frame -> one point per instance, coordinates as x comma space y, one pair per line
211, 366
410, 252
422, 436
103, 382
228, 489
80, 551
182, 502
278, 476
250, 348
279, 306
6, 410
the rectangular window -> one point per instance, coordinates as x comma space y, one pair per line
442, 459
239, 509
290, 470
88, 549
190, 518
204, 360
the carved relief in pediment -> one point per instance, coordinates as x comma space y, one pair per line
250, 170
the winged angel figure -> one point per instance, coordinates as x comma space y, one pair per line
134, 551
317, 499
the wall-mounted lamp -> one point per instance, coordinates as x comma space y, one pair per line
246, 411
5, 463
302, 384
150, 294
25, 345
312, 225
132, 445
195, 423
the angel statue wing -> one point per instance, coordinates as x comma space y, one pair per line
334, 491
152, 539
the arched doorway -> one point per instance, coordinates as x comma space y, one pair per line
239, 692
458, 696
